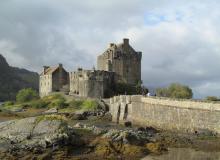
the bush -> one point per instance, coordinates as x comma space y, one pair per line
90, 105
175, 90
8, 103
212, 98
39, 104
26, 95
59, 103
77, 104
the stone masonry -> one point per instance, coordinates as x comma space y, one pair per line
53, 79
123, 60
118, 64
182, 115
91, 83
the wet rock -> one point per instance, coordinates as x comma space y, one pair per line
128, 124
110, 150
17, 110
127, 136
78, 125
51, 111
156, 148
141, 129
151, 130
35, 132
95, 130
79, 115
107, 116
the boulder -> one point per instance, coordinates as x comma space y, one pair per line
51, 111
35, 132
78, 125
127, 136
17, 110
79, 115
128, 124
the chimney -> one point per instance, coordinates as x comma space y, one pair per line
45, 68
126, 41
60, 65
111, 45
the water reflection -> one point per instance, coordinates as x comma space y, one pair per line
185, 154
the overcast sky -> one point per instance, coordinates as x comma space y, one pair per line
179, 39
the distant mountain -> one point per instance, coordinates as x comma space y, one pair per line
13, 79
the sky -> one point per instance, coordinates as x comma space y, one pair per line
179, 40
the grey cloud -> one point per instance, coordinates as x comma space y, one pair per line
182, 46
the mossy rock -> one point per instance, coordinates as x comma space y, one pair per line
156, 148
107, 148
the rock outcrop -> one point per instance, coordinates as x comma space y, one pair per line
35, 133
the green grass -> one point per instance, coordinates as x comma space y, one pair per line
90, 105
54, 101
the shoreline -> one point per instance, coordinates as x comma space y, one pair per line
164, 139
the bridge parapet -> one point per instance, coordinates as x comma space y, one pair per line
165, 113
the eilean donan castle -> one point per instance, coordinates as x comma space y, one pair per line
119, 64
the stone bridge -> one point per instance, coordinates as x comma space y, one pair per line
169, 114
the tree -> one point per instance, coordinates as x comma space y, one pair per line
212, 98
175, 90
26, 95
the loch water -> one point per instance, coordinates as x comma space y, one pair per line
185, 154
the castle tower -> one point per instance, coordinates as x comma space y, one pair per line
123, 60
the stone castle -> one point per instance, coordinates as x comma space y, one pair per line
120, 63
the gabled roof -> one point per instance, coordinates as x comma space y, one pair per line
49, 70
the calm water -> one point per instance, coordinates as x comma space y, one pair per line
185, 154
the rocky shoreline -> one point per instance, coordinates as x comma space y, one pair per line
89, 135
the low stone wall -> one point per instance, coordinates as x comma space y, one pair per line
169, 114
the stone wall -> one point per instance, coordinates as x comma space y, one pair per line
91, 83
45, 85
182, 115
53, 79
123, 60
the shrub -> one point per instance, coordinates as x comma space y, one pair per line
175, 90
77, 104
39, 104
58, 103
90, 105
26, 95
212, 98
8, 103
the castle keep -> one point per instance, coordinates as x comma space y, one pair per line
120, 63
123, 60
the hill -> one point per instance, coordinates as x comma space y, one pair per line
12, 79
